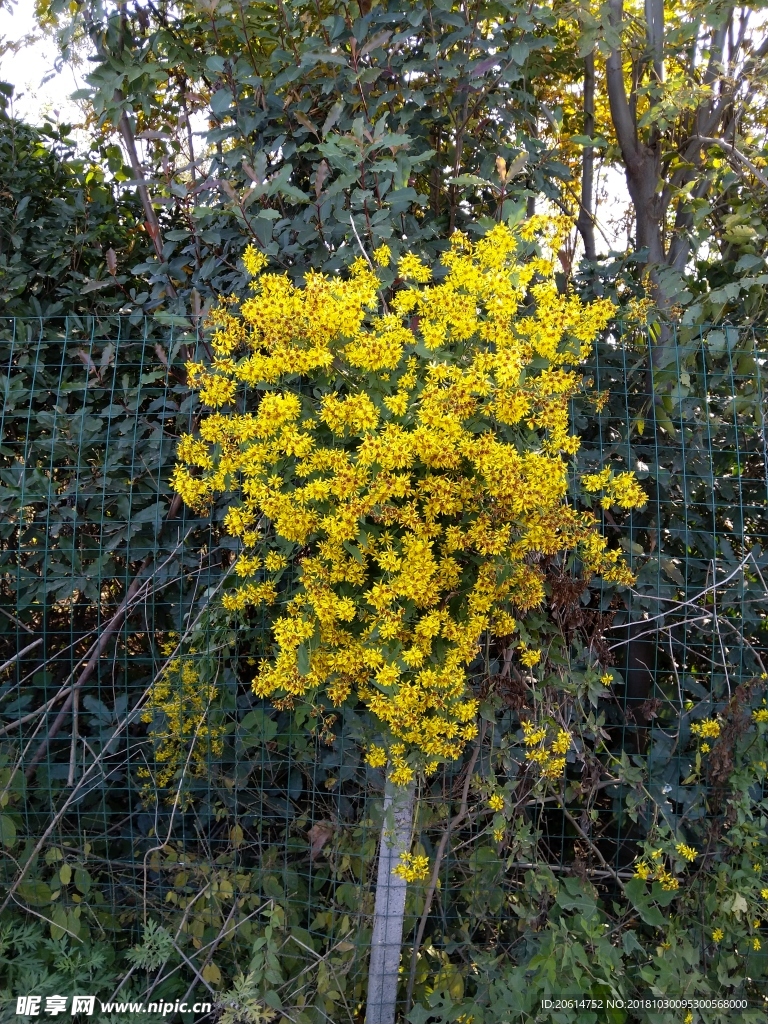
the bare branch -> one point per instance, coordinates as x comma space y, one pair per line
741, 160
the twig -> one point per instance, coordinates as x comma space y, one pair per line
362, 249
161, 846
110, 629
340, 988
202, 949
86, 776
73, 740
678, 605
188, 962
367, 259
452, 824
47, 920
182, 922
738, 156
18, 622
716, 622
612, 873
65, 689
212, 950
22, 652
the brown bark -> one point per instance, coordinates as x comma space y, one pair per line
585, 222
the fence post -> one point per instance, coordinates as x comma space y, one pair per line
389, 908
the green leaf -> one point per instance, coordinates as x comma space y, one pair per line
59, 923
636, 892
83, 881
302, 660
35, 892
7, 831
256, 729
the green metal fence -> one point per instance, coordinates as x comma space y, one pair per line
257, 853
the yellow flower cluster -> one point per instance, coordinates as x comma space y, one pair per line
412, 867
178, 708
622, 489
656, 871
543, 750
528, 657
496, 802
709, 729
376, 756
686, 852
416, 496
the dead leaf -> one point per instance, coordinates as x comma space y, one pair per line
85, 359
320, 175
226, 187
517, 165
318, 836
380, 39
251, 173
302, 118
111, 257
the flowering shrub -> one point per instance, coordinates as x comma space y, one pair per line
415, 485
181, 728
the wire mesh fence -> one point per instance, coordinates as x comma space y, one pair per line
151, 802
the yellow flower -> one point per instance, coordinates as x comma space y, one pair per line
717, 935
530, 657
382, 255
764, 893
412, 867
498, 834
402, 774
622, 490
668, 881
275, 561
181, 729
708, 729
376, 756
756, 944
496, 802
643, 871
411, 268
760, 715
686, 852
254, 260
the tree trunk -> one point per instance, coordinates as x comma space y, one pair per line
389, 909
586, 219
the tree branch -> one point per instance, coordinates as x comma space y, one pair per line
621, 115
737, 156
585, 224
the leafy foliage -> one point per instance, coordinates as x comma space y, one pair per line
310, 115
68, 237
